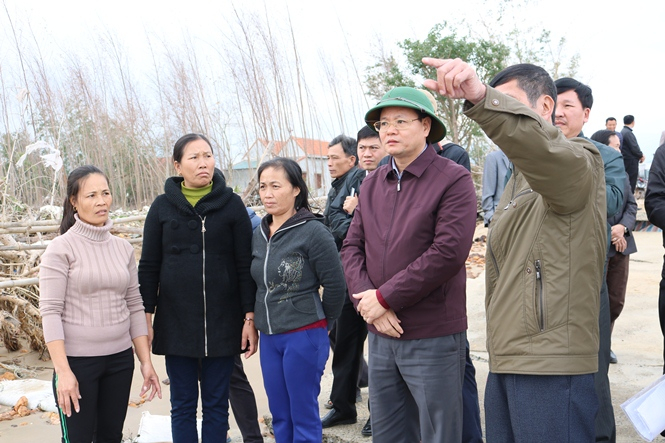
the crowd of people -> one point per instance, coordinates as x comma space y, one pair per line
384, 262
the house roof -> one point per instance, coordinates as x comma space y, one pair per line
254, 164
316, 148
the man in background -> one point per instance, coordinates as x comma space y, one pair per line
370, 153
630, 149
611, 125
349, 331
654, 203
494, 181
573, 107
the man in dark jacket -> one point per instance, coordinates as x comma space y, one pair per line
654, 203
349, 332
574, 102
630, 149
404, 260
455, 153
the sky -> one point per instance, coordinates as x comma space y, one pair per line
621, 46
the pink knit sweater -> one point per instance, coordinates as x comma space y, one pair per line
89, 292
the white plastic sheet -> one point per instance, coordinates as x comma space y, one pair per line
157, 428
646, 410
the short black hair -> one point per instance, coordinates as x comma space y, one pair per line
366, 132
349, 145
531, 79
584, 93
628, 119
609, 119
603, 136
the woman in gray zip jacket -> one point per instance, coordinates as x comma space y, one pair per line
293, 255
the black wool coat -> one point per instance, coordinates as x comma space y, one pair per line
194, 271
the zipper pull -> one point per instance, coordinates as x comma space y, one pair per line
399, 184
537, 269
203, 224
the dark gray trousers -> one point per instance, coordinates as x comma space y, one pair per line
605, 426
416, 388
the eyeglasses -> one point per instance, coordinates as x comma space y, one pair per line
383, 125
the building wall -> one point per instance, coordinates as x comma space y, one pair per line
314, 168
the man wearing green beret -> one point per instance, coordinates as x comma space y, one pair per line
404, 258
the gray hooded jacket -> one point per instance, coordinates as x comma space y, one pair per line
289, 268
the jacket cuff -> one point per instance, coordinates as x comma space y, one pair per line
381, 300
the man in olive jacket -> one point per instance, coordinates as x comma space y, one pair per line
545, 254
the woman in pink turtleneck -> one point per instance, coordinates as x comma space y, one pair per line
92, 312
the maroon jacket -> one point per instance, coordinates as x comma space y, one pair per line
412, 243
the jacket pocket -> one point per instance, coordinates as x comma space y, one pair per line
539, 296
304, 304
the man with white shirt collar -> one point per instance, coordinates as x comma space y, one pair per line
404, 258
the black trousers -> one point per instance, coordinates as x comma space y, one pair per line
104, 384
632, 168
243, 404
661, 312
349, 340
605, 424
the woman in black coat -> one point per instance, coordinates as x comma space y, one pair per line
194, 277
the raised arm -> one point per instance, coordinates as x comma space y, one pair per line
525, 137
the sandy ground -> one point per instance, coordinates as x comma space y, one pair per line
637, 341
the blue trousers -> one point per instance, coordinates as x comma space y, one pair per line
540, 408
213, 373
292, 366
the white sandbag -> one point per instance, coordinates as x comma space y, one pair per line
157, 428
38, 392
